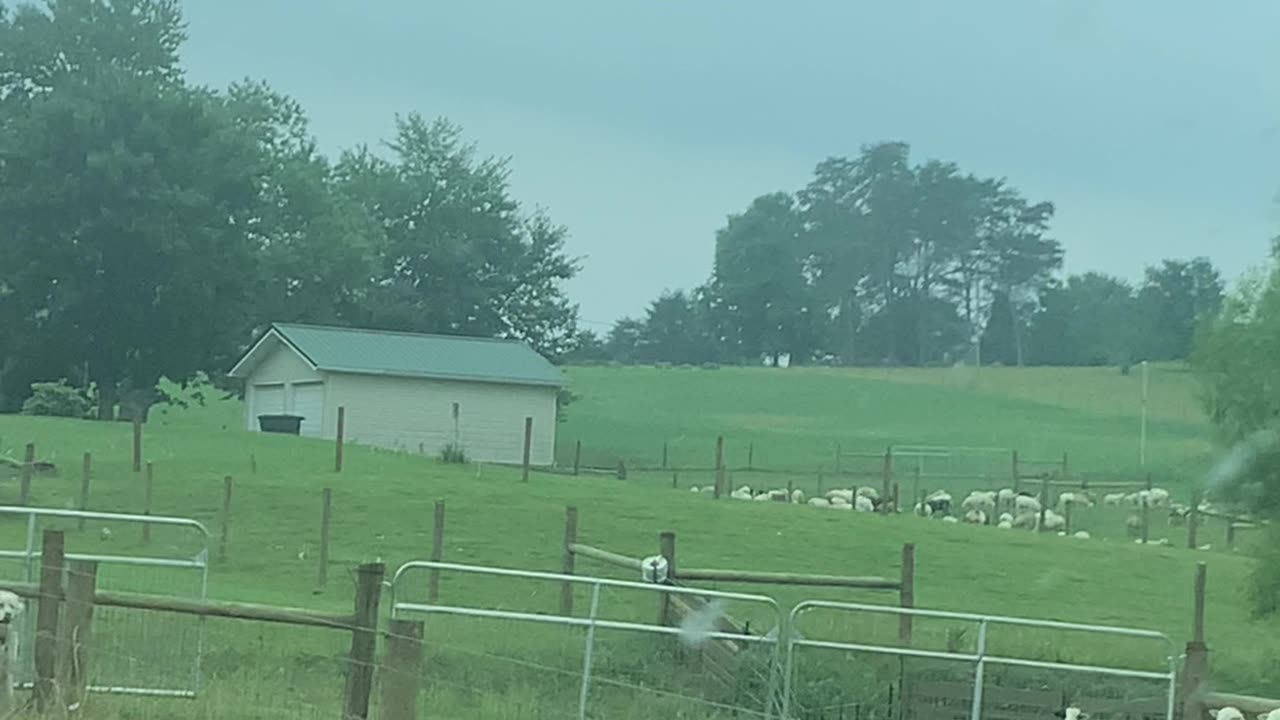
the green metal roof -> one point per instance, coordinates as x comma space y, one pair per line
379, 352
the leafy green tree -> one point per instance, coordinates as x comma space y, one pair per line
759, 277
1089, 320
626, 340
1174, 298
588, 347
456, 254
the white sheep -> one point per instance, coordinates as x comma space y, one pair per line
1005, 525
1071, 712
742, 493
1226, 713
841, 501
694, 488
763, 497
950, 519
1074, 498
1158, 497
868, 492
1273, 715
984, 502
975, 517
1054, 521
1113, 499
819, 502
863, 503
1007, 517
1024, 504
797, 496
845, 495
1081, 535
1026, 521
1004, 498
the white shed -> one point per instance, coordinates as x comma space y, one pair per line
405, 391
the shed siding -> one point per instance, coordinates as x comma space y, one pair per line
282, 365
416, 415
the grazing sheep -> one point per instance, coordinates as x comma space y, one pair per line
1026, 521
1158, 497
1081, 535
950, 519
819, 502
1142, 498
1113, 499
976, 517
1026, 504
694, 488
863, 503
1226, 713
1004, 498
868, 492
984, 502
797, 496
938, 502
1005, 525
1074, 498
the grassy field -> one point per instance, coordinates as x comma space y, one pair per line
383, 501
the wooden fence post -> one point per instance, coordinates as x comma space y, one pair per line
47, 616
567, 561
1017, 473
437, 550
137, 444
1066, 467
1066, 512
1231, 534
528, 447
897, 490
675, 481
622, 469
719, 488
907, 593
82, 584
886, 478
402, 670
1195, 669
1146, 520
667, 549
838, 453
225, 536
339, 438
86, 472
326, 514
28, 466
664, 455
148, 485
751, 456
577, 456
364, 641
819, 482
253, 464
1044, 501
1193, 522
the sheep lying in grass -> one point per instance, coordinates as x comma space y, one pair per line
819, 502
862, 503
1081, 535
1226, 713
742, 493
1054, 521
797, 496
1273, 715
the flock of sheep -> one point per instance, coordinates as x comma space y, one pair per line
1006, 509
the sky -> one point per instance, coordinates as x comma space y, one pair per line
1152, 125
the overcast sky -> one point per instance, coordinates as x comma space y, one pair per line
1153, 125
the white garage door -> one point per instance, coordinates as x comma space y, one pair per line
267, 400
308, 401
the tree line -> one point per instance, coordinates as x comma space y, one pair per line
879, 261
151, 226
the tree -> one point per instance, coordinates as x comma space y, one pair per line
587, 348
128, 203
456, 254
1089, 320
1234, 360
759, 277
626, 340
1175, 297
316, 244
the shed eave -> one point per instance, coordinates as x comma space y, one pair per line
245, 365
460, 377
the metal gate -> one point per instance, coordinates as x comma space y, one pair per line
588, 678
970, 695
136, 653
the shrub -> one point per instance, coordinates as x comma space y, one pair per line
453, 454
56, 399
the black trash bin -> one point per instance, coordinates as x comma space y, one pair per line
286, 424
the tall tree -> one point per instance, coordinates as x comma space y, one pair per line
1175, 296
759, 276
127, 197
1089, 320
457, 255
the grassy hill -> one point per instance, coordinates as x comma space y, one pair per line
496, 669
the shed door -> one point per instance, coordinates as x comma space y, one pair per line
267, 400
308, 401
